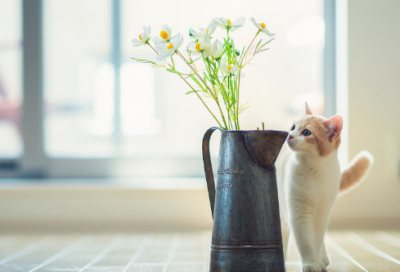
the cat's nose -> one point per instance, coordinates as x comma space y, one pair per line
290, 137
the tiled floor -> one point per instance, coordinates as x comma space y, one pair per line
189, 252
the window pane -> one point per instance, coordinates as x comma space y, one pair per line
78, 77
10, 78
276, 86
154, 117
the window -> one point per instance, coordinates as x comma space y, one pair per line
10, 79
101, 114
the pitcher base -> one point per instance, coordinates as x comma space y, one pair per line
245, 260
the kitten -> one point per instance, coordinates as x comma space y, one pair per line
309, 181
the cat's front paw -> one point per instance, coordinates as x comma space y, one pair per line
313, 267
325, 260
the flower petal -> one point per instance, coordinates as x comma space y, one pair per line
211, 28
267, 32
234, 69
217, 49
164, 56
147, 30
166, 28
205, 42
254, 21
157, 40
137, 42
217, 21
161, 48
224, 21
239, 22
196, 59
177, 41
224, 68
207, 52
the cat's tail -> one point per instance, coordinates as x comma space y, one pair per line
356, 171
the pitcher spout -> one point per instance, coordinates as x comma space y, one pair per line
264, 146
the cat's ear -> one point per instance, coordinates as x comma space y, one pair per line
334, 123
308, 110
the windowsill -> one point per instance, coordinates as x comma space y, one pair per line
59, 205
105, 184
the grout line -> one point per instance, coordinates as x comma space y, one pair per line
387, 238
364, 244
26, 250
68, 250
141, 248
111, 246
62, 269
333, 245
164, 263
174, 245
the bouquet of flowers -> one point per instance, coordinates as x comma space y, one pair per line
223, 62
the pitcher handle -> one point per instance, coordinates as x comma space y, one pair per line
208, 167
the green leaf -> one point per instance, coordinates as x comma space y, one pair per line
145, 61
259, 51
258, 45
176, 72
197, 82
266, 43
194, 91
214, 78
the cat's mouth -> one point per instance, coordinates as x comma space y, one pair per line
292, 144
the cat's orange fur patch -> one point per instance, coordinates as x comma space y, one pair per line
326, 138
356, 171
322, 139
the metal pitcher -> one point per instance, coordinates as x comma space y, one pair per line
247, 230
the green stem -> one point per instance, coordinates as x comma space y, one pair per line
240, 72
152, 48
208, 88
201, 100
222, 86
191, 88
173, 63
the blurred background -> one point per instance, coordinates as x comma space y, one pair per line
91, 140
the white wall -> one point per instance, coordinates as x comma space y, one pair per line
373, 124
374, 112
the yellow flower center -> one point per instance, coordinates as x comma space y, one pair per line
170, 46
262, 25
140, 36
207, 31
229, 21
198, 46
164, 34
229, 67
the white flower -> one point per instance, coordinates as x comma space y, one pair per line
167, 50
227, 24
229, 68
205, 32
143, 37
217, 49
203, 45
165, 35
261, 27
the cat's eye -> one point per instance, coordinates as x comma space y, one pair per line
306, 132
293, 127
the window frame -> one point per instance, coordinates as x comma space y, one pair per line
35, 164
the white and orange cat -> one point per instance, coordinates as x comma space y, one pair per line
309, 180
